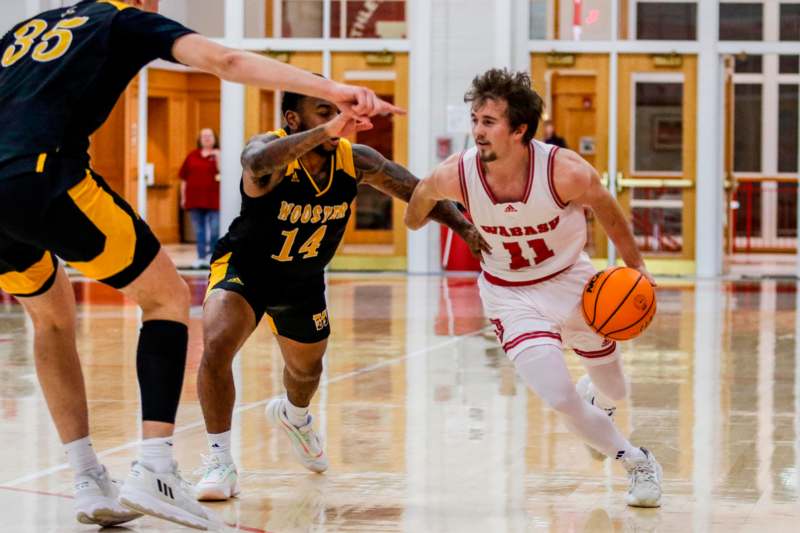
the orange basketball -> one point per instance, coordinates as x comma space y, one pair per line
618, 303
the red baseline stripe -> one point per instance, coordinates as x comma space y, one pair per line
494, 280
598, 353
550, 160
513, 343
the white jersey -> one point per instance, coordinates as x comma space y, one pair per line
533, 238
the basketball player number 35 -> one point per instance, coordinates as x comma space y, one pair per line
51, 45
540, 253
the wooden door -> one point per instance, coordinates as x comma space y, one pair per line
657, 155
376, 228
575, 90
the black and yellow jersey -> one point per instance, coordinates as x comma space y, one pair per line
294, 230
62, 71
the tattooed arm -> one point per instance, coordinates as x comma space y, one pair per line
265, 158
397, 181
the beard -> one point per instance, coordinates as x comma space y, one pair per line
488, 157
324, 152
320, 148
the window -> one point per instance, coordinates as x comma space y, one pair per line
353, 19
657, 219
748, 214
790, 22
537, 21
787, 127
741, 22
747, 127
789, 64
658, 128
666, 21
748, 64
370, 19
787, 209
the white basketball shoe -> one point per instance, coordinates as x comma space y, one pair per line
586, 390
219, 481
165, 495
96, 500
645, 480
306, 444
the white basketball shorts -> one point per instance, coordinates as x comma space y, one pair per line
546, 313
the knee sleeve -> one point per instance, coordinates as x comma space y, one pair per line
160, 365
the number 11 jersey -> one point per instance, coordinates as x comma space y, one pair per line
534, 238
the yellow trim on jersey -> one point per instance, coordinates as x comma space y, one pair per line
344, 158
116, 3
219, 270
112, 221
40, 163
271, 323
314, 183
31, 280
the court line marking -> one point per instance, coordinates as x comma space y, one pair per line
246, 407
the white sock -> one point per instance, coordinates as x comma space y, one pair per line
298, 416
600, 399
81, 456
220, 446
543, 369
156, 454
632, 453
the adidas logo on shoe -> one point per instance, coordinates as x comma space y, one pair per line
165, 489
510, 209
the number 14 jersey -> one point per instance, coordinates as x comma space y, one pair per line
533, 238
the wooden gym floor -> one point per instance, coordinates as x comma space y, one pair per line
427, 427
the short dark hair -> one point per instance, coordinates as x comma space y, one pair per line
291, 101
524, 105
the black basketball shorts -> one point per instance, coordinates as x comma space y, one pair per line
57, 208
295, 308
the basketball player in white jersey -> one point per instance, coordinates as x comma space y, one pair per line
527, 198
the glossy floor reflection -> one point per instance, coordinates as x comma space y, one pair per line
427, 427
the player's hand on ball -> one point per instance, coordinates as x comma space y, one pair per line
647, 275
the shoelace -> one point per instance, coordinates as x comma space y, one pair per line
644, 472
209, 465
308, 434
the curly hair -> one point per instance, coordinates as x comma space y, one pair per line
524, 105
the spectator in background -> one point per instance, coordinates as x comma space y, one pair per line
200, 193
550, 136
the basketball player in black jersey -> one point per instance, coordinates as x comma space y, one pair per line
297, 187
61, 73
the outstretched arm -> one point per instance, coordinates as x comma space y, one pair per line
252, 69
265, 157
577, 181
395, 180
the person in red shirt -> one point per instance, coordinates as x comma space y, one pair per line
200, 193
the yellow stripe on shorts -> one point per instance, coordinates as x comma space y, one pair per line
113, 222
29, 281
219, 269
